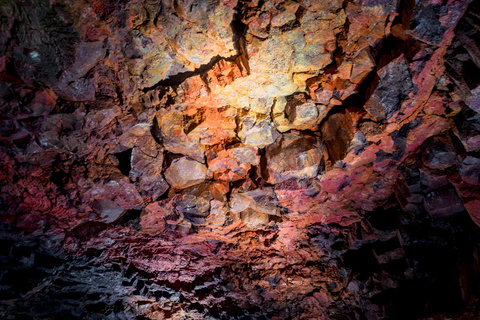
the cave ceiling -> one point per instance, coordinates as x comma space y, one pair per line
234, 159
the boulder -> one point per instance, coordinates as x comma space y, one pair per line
185, 172
470, 170
152, 220
72, 84
108, 210
299, 113
440, 154
259, 200
218, 214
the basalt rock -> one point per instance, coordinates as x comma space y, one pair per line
234, 164
185, 172
308, 151
394, 85
239, 159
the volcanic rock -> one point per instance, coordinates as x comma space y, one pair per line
338, 133
299, 114
394, 85
239, 159
294, 155
255, 207
153, 220
233, 164
440, 154
184, 172
443, 202
256, 132
193, 203
147, 171
470, 170
109, 211
171, 133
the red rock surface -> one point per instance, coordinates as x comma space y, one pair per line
256, 159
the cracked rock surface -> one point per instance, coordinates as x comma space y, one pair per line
237, 159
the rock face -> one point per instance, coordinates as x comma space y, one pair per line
394, 85
184, 173
234, 164
294, 156
239, 159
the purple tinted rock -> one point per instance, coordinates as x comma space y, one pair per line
443, 202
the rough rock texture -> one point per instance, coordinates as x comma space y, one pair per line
238, 159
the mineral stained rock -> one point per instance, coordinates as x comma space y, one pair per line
237, 159
184, 173
294, 155
394, 85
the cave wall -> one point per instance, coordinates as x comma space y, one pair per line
239, 159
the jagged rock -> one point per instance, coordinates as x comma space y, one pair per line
255, 207
357, 143
184, 39
120, 191
470, 170
87, 229
72, 85
285, 195
299, 195
294, 155
108, 210
394, 85
146, 170
299, 114
145, 160
171, 132
440, 154
257, 133
429, 181
259, 200
468, 124
368, 24
55, 129
425, 128
233, 164
153, 220
337, 133
218, 214
425, 22
43, 103
443, 202
285, 16
474, 101
193, 204
362, 65
219, 126
261, 105
184, 173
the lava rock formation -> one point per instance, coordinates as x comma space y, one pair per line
239, 159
